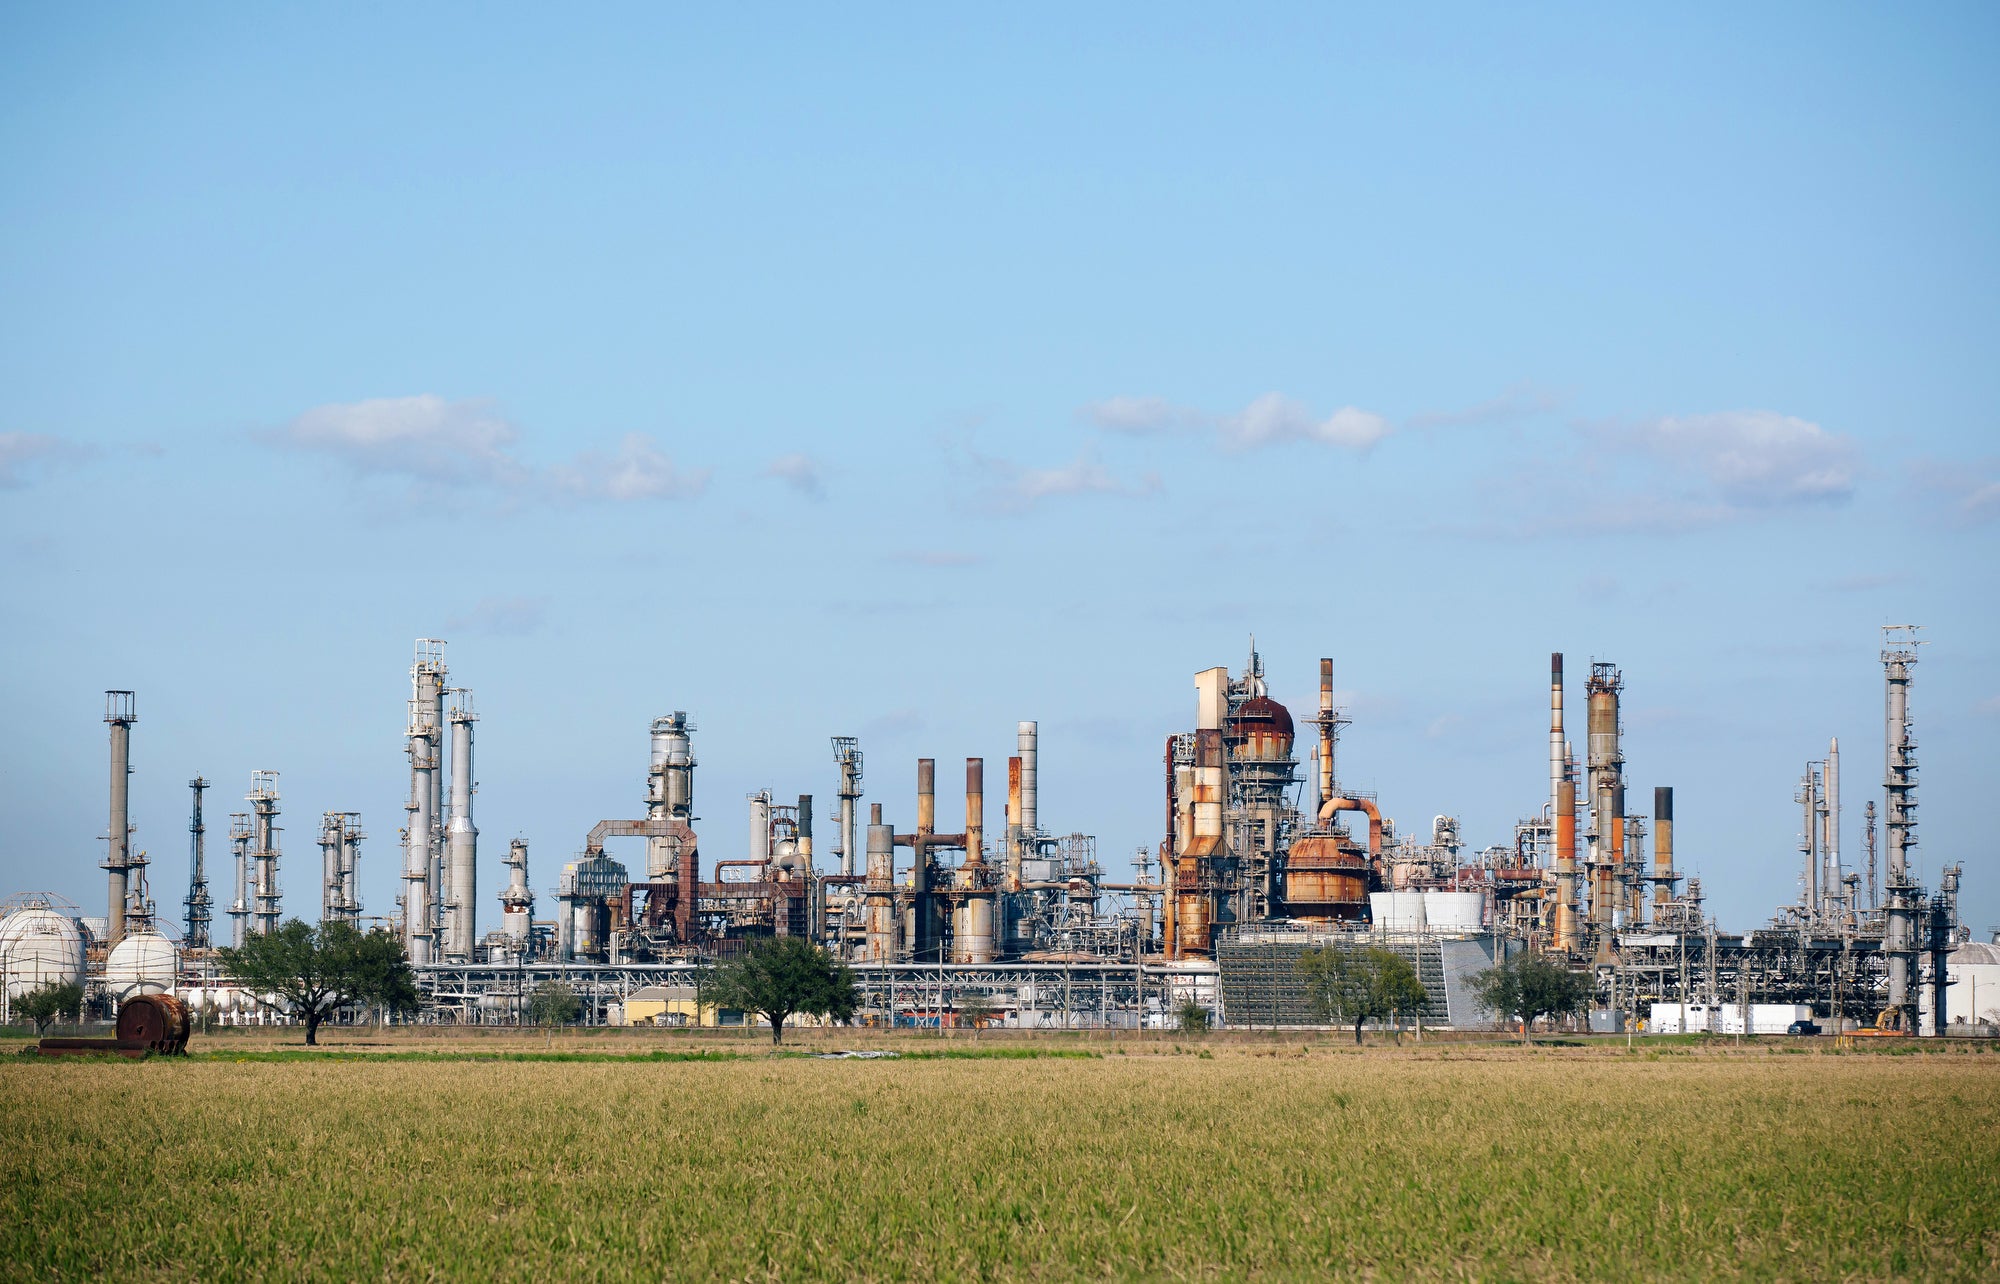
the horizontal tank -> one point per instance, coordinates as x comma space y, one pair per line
40, 946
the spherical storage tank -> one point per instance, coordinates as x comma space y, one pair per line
142, 963
40, 946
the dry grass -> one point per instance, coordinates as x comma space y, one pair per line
1260, 1160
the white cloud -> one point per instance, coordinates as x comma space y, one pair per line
1008, 487
801, 472
425, 438
435, 445
1753, 458
1271, 419
638, 471
1014, 487
25, 452
1274, 418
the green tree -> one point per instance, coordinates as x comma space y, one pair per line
1192, 1017
975, 1010
316, 971
779, 977
45, 1003
554, 1003
1348, 985
1528, 986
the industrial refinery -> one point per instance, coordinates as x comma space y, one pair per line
1264, 853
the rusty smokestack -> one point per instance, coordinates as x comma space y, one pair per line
1663, 843
1567, 927
1014, 824
1325, 729
806, 832
926, 796
975, 811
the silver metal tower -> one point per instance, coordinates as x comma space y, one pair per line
263, 800
462, 837
1899, 941
198, 904
420, 835
239, 909
847, 756
120, 713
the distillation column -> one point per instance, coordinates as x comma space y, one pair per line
120, 713
332, 891
1836, 877
1899, 943
1607, 792
239, 909
669, 790
879, 914
847, 755
263, 799
1809, 843
517, 903
1569, 924
426, 690
350, 860
198, 903
461, 917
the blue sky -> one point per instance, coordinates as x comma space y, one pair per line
903, 374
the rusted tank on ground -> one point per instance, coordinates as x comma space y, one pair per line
148, 1024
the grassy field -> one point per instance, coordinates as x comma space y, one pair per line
1142, 1161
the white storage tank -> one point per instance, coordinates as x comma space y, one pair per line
1455, 912
142, 963
40, 946
1397, 911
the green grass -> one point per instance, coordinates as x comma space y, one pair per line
1488, 1163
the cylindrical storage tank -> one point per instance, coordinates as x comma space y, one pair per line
142, 963
1325, 881
1455, 911
40, 946
1397, 911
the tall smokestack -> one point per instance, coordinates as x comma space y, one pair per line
1663, 843
1325, 729
975, 811
120, 711
1834, 876
1026, 741
1014, 853
926, 795
1556, 762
